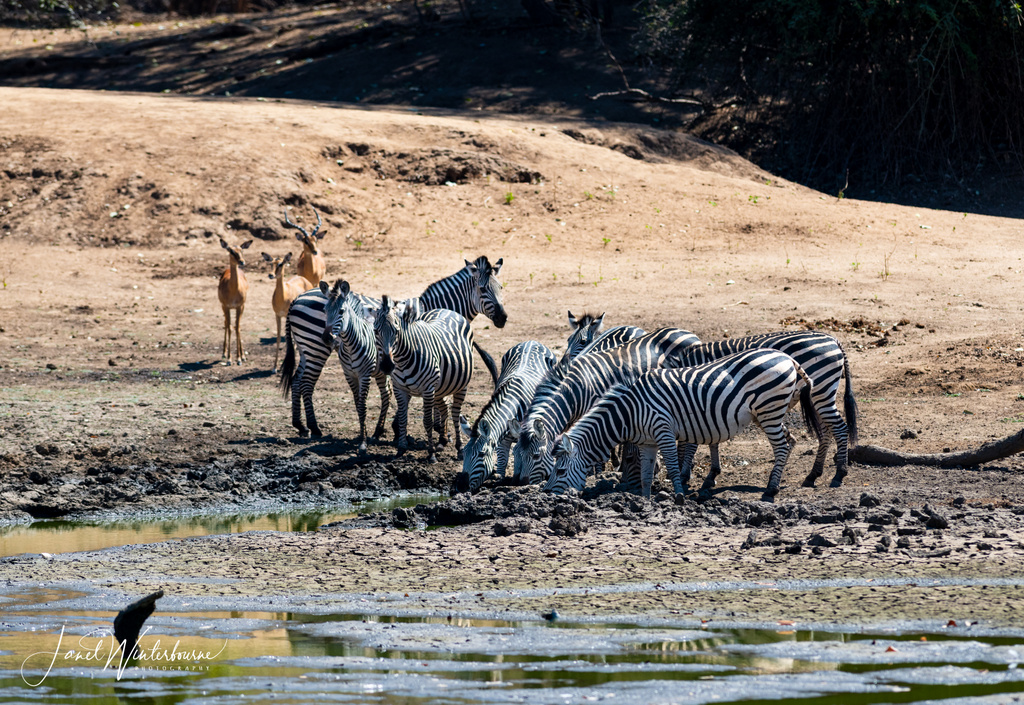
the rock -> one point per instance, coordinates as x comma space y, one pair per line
908, 434
750, 541
830, 518
869, 500
884, 518
567, 525
983, 546
935, 519
795, 547
851, 537
819, 540
47, 449
513, 525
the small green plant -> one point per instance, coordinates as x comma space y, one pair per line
712, 203
886, 272
753, 199
358, 243
588, 195
531, 279
548, 236
509, 197
604, 241
554, 277
855, 266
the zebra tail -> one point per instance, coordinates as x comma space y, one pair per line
489, 362
288, 366
849, 403
807, 405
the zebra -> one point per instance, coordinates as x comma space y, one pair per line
428, 356
709, 403
584, 330
824, 360
606, 340
490, 439
351, 334
573, 386
472, 290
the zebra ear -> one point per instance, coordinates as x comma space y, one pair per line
324, 288
597, 323
513, 428
485, 428
496, 267
345, 288
471, 266
464, 424
573, 323
538, 428
410, 314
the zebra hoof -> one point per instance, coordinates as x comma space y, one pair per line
362, 447
273, 371
837, 481
432, 459
809, 480
458, 455
303, 432
316, 433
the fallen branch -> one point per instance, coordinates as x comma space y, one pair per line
986, 453
640, 95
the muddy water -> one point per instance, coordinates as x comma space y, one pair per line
71, 536
239, 657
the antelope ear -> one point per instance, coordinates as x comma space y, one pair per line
496, 267
299, 236
267, 257
324, 288
320, 234
245, 245
223, 243
288, 258
464, 424
573, 323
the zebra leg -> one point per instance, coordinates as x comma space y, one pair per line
307, 386
716, 470
441, 411
648, 460
300, 374
359, 388
384, 386
457, 400
670, 454
686, 455
401, 419
819, 459
777, 437
630, 465
841, 432
501, 463
428, 424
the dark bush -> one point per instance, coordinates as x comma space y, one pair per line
877, 87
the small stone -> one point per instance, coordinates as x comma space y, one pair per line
111, 362
869, 500
50, 366
908, 434
983, 546
795, 548
819, 540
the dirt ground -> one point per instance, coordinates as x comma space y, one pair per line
114, 395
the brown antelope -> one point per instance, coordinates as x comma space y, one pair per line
284, 293
231, 291
311, 263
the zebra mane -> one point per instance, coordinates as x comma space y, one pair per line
353, 302
483, 412
459, 276
585, 319
549, 385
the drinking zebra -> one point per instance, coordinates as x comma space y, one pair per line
823, 359
610, 338
429, 356
490, 439
573, 386
709, 403
472, 290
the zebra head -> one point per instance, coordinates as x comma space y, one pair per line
533, 462
487, 289
584, 330
386, 326
308, 239
479, 458
570, 468
340, 309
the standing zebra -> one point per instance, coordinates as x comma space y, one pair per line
472, 290
429, 356
572, 387
489, 440
710, 403
822, 357
352, 335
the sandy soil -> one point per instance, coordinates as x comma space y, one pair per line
111, 206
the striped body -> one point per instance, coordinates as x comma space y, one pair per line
428, 356
709, 403
472, 290
572, 387
352, 336
823, 359
611, 338
489, 441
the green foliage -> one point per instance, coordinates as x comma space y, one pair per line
881, 87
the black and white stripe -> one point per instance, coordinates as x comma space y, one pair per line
351, 334
490, 439
472, 290
709, 403
573, 386
428, 356
585, 328
823, 359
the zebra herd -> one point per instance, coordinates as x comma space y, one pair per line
622, 393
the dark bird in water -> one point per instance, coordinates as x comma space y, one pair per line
550, 616
128, 622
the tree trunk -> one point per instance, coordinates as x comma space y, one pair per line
986, 453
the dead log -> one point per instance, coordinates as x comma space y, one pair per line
986, 453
